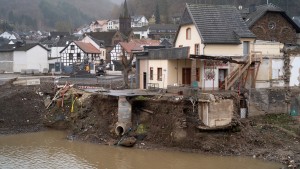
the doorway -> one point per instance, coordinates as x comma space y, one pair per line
186, 76
144, 80
222, 75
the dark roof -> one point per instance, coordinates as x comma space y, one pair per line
218, 24
27, 47
166, 43
163, 27
137, 29
105, 36
59, 34
3, 41
261, 10
62, 42
296, 19
164, 53
7, 48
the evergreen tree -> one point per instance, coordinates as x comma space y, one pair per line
157, 14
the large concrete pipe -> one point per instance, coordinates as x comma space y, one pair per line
124, 116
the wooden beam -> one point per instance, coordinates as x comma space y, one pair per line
225, 59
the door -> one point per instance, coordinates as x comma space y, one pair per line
222, 76
144, 80
186, 76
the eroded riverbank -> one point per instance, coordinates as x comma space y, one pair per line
93, 120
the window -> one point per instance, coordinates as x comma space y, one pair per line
197, 49
188, 33
78, 56
159, 74
72, 47
70, 56
151, 73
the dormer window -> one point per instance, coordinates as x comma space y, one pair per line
188, 34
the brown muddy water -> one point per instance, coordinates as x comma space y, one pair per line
50, 149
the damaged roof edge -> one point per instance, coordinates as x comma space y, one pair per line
164, 54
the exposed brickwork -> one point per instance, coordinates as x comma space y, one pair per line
283, 31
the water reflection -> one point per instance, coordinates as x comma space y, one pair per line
51, 150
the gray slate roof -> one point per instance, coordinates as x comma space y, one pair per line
219, 24
263, 9
260, 11
296, 19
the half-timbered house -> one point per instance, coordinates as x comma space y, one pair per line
80, 53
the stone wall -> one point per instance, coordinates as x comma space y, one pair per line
282, 32
268, 101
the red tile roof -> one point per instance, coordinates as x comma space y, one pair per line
138, 44
87, 47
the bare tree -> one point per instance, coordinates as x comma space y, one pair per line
126, 59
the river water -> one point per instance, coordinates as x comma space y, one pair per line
50, 149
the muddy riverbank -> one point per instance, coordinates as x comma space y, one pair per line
167, 124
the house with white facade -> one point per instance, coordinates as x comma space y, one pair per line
99, 26
141, 32
211, 41
30, 57
113, 25
10, 35
139, 21
99, 44
79, 55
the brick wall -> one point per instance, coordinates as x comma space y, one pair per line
282, 32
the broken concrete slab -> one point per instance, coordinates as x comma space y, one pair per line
27, 82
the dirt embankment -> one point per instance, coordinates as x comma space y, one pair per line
22, 107
158, 122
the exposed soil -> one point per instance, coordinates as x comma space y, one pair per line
166, 123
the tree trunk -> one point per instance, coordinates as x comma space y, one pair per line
125, 77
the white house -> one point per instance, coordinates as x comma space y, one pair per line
139, 21
10, 35
141, 32
96, 43
99, 25
31, 56
113, 25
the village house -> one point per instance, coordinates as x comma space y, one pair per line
79, 55
99, 44
99, 26
162, 31
141, 32
270, 23
7, 58
223, 34
139, 21
113, 25
127, 48
10, 35
31, 58
109, 39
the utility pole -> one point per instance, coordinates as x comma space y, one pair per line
267, 2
